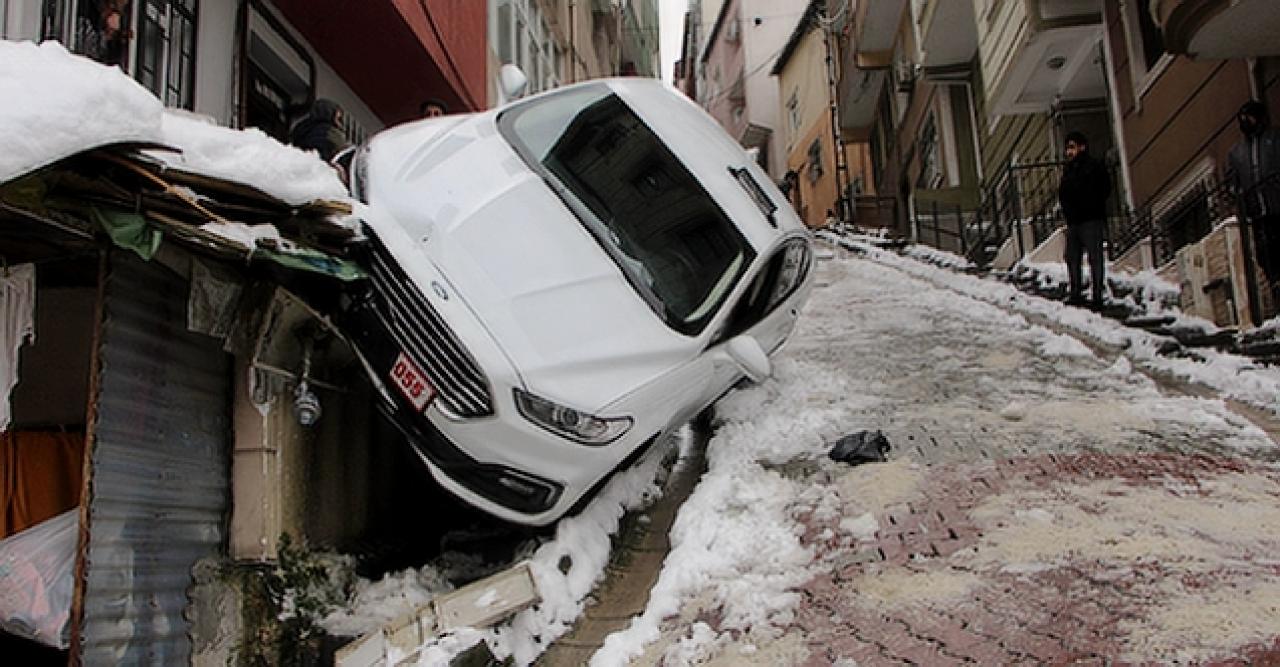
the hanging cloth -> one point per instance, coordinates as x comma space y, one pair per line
17, 325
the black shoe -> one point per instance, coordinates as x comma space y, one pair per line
1075, 301
1097, 306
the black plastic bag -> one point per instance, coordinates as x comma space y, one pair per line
861, 447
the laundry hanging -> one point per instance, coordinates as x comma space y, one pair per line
17, 325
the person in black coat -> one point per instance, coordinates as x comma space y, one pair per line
1083, 194
1254, 167
320, 130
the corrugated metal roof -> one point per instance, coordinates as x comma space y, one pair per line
160, 467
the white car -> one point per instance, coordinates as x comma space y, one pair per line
562, 281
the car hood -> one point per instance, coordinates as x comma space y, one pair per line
536, 282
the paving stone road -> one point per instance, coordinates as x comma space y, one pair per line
1042, 504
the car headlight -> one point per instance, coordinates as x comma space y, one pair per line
569, 423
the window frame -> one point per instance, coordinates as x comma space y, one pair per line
174, 85
529, 43
1143, 76
746, 311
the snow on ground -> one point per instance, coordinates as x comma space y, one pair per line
885, 341
71, 104
1235, 376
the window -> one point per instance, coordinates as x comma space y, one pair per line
92, 29
522, 36
1147, 57
793, 111
653, 218
783, 275
930, 161
815, 160
1149, 34
167, 50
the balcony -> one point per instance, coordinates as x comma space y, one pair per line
875, 27
859, 96
1212, 29
1036, 53
948, 33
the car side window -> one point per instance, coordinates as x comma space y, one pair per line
784, 273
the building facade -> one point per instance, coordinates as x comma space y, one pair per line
734, 83
824, 174
964, 106
257, 63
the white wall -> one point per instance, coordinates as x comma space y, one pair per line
763, 44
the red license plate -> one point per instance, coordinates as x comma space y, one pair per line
412, 382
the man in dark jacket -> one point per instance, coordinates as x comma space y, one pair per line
320, 130
1254, 165
1083, 194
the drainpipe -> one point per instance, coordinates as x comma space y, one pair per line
843, 204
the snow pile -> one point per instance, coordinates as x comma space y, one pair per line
736, 540
70, 104
938, 257
58, 104
375, 604
246, 156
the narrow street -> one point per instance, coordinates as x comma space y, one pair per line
1040, 503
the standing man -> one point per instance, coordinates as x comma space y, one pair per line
1083, 194
1254, 163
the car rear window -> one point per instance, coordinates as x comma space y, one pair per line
667, 235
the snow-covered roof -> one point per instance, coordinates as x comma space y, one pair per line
59, 104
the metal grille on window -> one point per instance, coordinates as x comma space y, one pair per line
166, 50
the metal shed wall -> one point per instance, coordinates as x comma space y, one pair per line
158, 470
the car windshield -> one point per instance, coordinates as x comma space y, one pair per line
673, 243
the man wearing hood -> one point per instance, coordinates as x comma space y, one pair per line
1254, 165
320, 130
1083, 194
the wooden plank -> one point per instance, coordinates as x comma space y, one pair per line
489, 600
367, 651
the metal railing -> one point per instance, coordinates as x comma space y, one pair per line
1024, 196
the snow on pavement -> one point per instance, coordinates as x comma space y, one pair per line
885, 343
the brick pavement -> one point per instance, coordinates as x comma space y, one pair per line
1071, 613
984, 417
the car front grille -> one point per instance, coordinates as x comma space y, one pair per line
423, 335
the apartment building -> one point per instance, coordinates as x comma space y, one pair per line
964, 105
824, 175
734, 82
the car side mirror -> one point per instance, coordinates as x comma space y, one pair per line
750, 357
511, 82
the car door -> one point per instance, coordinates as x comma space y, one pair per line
763, 311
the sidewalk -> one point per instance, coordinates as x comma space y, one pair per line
1044, 502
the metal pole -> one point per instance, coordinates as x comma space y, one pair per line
843, 205
964, 244
937, 229
1250, 271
